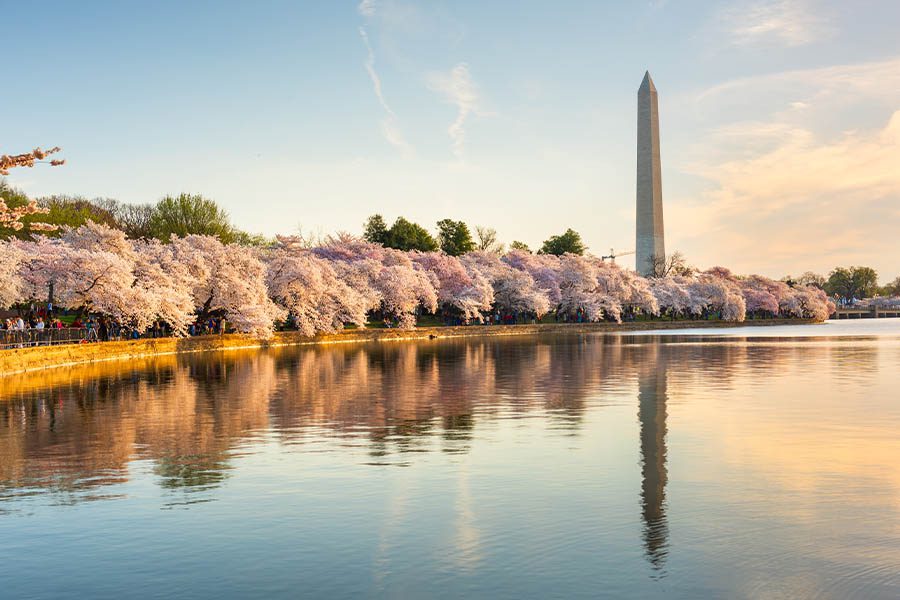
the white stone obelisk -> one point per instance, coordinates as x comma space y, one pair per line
650, 232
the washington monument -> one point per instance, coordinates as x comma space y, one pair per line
650, 232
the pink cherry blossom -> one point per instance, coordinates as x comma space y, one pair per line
11, 284
309, 288
226, 278
466, 290
514, 290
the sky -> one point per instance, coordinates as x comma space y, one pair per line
780, 119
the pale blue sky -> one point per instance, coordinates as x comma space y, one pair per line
778, 146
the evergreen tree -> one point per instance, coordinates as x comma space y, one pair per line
406, 235
567, 243
454, 237
376, 230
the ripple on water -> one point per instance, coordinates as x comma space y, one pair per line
717, 464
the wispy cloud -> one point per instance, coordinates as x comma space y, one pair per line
784, 22
819, 202
459, 89
876, 79
816, 179
389, 124
367, 8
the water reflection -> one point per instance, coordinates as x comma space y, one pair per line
557, 459
652, 416
192, 415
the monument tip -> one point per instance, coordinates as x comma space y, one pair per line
647, 83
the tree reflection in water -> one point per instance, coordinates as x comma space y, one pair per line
190, 416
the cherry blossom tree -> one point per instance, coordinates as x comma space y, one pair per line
672, 295
165, 295
808, 302
88, 278
386, 277
11, 218
98, 237
466, 290
514, 290
581, 289
311, 291
11, 285
402, 291
717, 290
154, 293
543, 268
229, 279
95, 268
760, 301
28, 159
348, 248
630, 289
762, 295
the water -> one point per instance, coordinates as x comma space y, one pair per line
758, 463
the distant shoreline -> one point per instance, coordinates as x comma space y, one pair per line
19, 361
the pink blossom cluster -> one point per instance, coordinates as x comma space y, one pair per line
138, 282
345, 280
12, 217
732, 298
28, 159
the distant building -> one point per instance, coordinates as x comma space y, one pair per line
650, 241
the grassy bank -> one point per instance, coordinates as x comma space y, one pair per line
24, 360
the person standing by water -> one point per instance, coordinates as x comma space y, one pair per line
91, 330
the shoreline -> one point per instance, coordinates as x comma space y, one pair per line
17, 361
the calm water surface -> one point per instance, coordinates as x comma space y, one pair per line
744, 463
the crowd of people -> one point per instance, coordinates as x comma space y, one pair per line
42, 327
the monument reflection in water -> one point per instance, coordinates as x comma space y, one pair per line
652, 415
481, 467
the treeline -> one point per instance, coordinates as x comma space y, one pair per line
187, 214
455, 238
180, 215
347, 280
849, 283
181, 259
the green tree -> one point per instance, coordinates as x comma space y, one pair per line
454, 237
70, 211
853, 282
75, 211
567, 243
187, 214
517, 245
376, 230
893, 288
813, 279
256, 240
406, 235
